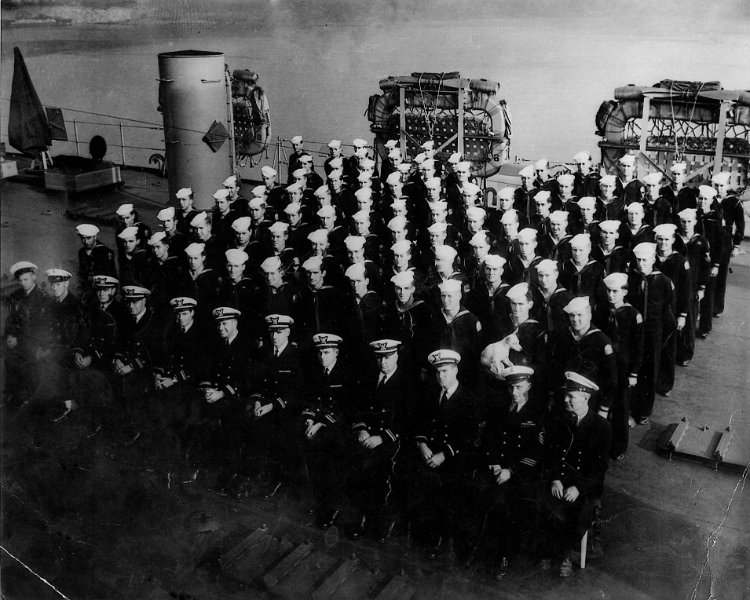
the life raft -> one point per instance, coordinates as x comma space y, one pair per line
431, 112
677, 109
250, 113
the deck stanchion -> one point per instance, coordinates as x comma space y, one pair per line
75, 135
122, 144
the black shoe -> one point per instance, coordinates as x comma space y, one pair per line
665, 394
359, 529
619, 457
702, 335
328, 517
717, 315
643, 420
683, 363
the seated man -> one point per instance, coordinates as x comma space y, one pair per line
576, 450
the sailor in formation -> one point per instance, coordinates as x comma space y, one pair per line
457, 371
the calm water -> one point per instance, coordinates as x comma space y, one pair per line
319, 62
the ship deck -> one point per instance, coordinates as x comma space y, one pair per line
97, 519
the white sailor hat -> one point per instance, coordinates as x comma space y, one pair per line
582, 156
577, 304
157, 238
546, 266
665, 230
403, 279
707, 192
322, 192
128, 233
356, 271
305, 158
185, 192
399, 203
494, 261
336, 164
135, 292
527, 234
21, 267
325, 212
616, 281
124, 209
397, 224
359, 143
401, 246
438, 228
420, 158
230, 181
367, 163
721, 178
580, 241
463, 165
608, 180
433, 183
293, 208
57, 275
558, 216
507, 193
428, 145
224, 313
242, 224
256, 203
276, 322
575, 382
517, 373
271, 264
166, 214
688, 213
475, 213
645, 250
635, 207
199, 219
384, 347
653, 178
222, 194
454, 158
542, 196
297, 139
527, 172
427, 163
564, 179
404, 167
354, 242
450, 286
520, 291
236, 257
364, 177
363, 194
509, 216
394, 153
393, 178
361, 216
105, 281
278, 227
440, 206
627, 159
182, 303
327, 340
298, 173
87, 230
195, 249
678, 167
479, 239
268, 171
259, 191
391, 144
470, 189
443, 357
314, 263
610, 226
542, 163
587, 202
319, 236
